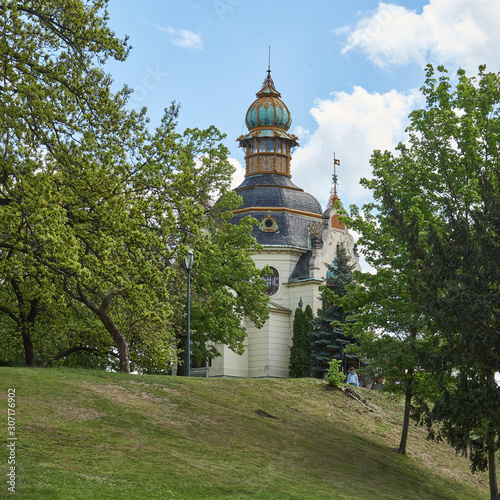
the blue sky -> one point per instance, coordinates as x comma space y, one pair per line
348, 71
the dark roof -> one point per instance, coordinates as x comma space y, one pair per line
270, 190
301, 270
293, 229
273, 191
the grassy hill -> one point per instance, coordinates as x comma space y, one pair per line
95, 435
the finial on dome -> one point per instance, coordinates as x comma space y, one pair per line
268, 82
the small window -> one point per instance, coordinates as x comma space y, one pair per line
270, 145
272, 282
269, 224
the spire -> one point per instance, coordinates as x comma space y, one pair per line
268, 87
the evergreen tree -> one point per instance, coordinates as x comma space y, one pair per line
329, 340
300, 353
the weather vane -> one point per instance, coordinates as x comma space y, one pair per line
335, 177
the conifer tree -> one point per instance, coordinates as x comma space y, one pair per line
300, 353
328, 341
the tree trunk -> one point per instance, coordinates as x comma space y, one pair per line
492, 469
492, 472
29, 352
26, 322
181, 363
120, 340
102, 313
406, 418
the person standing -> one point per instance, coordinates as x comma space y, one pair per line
352, 378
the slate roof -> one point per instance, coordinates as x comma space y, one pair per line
260, 192
274, 190
301, 270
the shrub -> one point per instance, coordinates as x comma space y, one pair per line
334, 376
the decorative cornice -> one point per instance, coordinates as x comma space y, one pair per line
269, 186
276, 209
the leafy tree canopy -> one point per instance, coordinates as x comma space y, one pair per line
97, 211
439, 195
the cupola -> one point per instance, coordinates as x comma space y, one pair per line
268, 144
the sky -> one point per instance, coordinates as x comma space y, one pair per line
349, 72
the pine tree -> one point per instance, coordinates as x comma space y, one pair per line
300, 353
328, 341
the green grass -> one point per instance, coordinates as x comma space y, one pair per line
95, 435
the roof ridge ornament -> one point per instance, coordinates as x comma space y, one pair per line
268, 87
268, 82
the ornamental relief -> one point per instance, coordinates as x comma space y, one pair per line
280, 164
252, 164
267, 163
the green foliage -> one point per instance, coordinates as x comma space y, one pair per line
335, 376
328, 336
440, 197
300, 353
97, 211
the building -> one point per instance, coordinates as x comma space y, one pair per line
299, 239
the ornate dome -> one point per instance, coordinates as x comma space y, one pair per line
268, 110
284, 211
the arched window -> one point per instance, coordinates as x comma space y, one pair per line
272, 281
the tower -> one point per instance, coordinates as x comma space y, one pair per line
297, 237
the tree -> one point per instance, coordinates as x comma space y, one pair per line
300, 353
226, 285
383, 317
328, 336
93, 206
441, 196
56, 113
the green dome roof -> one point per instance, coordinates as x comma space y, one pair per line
268, 110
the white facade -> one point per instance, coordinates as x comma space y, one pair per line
267, 351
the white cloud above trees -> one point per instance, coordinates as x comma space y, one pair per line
353, 125
456, 32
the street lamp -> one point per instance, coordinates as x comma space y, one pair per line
342, 355
189, 260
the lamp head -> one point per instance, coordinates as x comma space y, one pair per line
189, 259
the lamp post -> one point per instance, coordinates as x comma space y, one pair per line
189, 260
342, 355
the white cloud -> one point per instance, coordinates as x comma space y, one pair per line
239, 173
182, 38
302, 133
457, 32
353, 126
